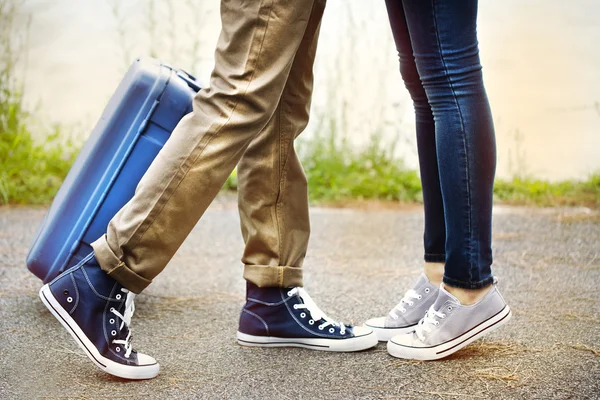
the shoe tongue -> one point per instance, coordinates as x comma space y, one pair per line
443, 297
316, 313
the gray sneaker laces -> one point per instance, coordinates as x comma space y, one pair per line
407, 299
428, 322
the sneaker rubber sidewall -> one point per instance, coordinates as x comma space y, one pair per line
357, 343
451, 346
385, 334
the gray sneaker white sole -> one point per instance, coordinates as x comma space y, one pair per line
445, 349
146, 371
384, 334
362, 341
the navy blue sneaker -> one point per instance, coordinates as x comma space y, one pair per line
275, 317
96, 310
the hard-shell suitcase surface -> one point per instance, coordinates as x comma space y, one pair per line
142, 113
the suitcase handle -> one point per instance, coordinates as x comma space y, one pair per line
189, 79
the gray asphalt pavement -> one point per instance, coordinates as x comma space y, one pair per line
360, 262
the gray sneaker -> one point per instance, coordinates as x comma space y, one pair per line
404, 317
448, 326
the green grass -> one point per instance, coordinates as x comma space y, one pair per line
529, 191
30, 172
339, 172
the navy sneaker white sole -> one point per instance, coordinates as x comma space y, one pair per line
364, 339
445, 349
149, 368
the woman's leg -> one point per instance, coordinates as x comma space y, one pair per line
434, 237
444, 40
411, 308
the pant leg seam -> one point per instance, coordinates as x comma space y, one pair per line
279, 188
470, 233
283, 165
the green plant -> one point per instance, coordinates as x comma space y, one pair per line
337, 171
530, 191
30, 172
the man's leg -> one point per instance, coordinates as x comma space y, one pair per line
272, 186
273, 203
255, 51
257, 45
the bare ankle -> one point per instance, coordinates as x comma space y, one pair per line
468, 297
434, 272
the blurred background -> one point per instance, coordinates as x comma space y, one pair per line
540, 59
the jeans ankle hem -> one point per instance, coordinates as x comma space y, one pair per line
468, 285
435, 257
273, 276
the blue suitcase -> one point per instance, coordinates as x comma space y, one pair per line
136, 123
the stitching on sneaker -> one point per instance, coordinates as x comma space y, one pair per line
265, 303
71, 329
259, 318
76, 294
72, 269
94, 289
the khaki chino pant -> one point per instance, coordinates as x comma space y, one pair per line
257, 103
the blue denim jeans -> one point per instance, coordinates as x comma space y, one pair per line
439, 63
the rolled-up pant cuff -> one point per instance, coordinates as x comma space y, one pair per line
436, 258
273, 276
116, 269
468, 285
